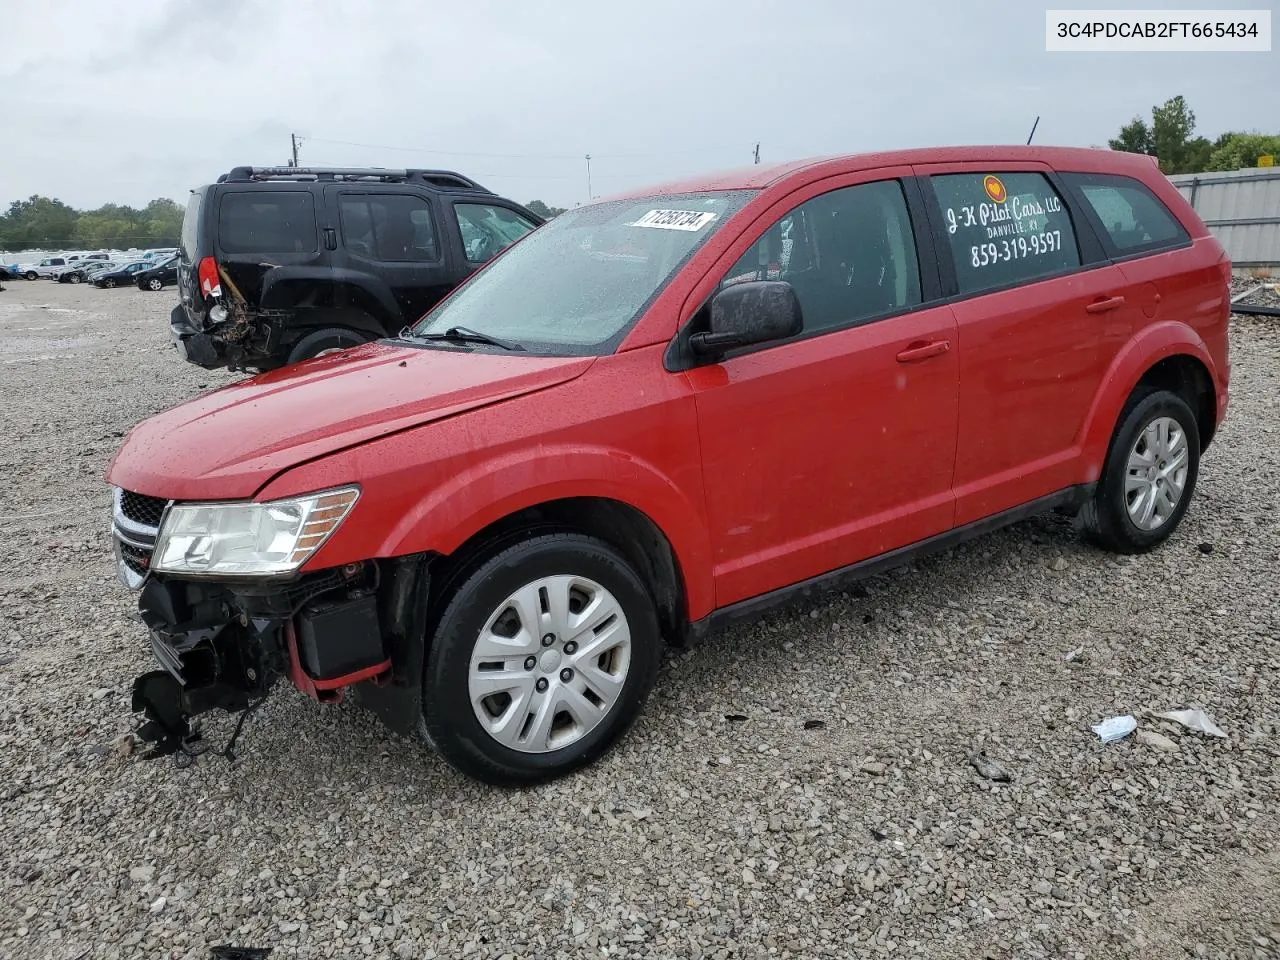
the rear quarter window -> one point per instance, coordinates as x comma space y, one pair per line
264, 222
1133, 219
191, 225
1004, 228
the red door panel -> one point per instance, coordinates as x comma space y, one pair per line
829, 450
1031, 361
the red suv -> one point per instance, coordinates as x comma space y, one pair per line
663, 411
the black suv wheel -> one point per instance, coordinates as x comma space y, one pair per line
325, 340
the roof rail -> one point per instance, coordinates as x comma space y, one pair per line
445, 179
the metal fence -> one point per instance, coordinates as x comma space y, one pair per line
1242, 209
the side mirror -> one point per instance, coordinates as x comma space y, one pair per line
755, 311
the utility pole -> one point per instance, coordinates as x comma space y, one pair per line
293, 139
589, 197
757, 154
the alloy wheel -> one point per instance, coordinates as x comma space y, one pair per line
1157, 473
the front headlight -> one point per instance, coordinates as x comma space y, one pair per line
249, 539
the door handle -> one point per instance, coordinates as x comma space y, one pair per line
330, 238
923, 351
1105, 304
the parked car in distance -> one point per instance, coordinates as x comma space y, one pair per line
44, 268
638, 424
279, 265
158, 275
121, 276
83, 270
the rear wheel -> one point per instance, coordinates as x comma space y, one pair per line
1149, 475
326, 340
542, 658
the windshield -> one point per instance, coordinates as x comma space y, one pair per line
575, 285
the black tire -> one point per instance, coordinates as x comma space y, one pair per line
108, 283
75, 278
1105, 517
155, 284
31, 275
326, 338
449, 720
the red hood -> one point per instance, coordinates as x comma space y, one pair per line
229, 442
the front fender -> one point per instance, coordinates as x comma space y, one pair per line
432, 510
454, 511
1143, 351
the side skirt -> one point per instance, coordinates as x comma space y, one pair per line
1071, 498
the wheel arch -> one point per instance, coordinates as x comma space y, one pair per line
624, 527
1169, 355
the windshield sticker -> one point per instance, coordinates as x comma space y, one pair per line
688, 220
995, 189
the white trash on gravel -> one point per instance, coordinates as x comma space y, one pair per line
1196, 720
1115, 728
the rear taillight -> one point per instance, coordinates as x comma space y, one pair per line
210, 283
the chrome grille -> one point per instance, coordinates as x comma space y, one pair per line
142, 509
135, 523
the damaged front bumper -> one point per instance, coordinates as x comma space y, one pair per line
224, 647
225, 644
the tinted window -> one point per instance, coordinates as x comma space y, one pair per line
849, 254
1132, 216
1004, 228
390, 227
191, 225
267, 223
487, 231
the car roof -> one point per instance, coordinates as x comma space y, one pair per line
761, 176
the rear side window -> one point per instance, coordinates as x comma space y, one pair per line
1005, 228
262, 222
394, 228
1132, 217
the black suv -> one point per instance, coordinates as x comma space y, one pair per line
279, 264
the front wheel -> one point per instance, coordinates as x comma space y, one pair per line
155, 283
76, 278
108, 282
542, 658
1149, 475
31, 275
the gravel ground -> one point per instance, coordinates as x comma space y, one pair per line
721, 827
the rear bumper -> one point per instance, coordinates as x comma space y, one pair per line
193, 345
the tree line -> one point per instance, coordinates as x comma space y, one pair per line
42, 222
1169, 137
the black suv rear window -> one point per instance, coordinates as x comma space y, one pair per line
262, 222
1133, 217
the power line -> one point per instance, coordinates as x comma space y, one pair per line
527, 156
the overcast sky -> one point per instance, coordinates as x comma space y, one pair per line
127, 100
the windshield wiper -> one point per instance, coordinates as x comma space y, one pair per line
463, 335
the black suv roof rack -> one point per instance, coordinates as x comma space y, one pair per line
441, 179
